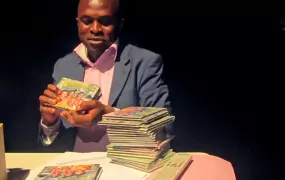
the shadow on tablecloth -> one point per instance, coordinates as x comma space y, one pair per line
18, 174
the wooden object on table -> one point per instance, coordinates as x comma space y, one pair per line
3, 171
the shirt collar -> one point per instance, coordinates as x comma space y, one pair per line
109, 54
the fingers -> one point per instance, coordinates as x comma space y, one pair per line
54, 89
68, 117
92, 104
49, 110
79, 120
50, 95
53, 92
82, 119
44, 99
49, 114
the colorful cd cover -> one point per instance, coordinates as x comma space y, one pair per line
74, 92
71, 172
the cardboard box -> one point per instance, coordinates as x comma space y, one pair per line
3, 171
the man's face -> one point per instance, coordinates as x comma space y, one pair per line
70, 94
80, 95
97, 24
64, 94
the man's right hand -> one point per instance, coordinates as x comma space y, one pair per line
51, 95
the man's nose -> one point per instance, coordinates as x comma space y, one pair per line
96, 27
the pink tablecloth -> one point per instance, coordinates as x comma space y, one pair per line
206, 167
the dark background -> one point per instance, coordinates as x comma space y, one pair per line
217, 65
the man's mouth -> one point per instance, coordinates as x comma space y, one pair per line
95, 40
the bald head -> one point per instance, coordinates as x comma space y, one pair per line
95, 2
112, 4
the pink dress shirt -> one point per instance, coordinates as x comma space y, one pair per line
100, 73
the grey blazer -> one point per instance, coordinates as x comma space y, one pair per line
137, 81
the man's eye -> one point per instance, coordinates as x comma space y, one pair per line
87, 21
107, 20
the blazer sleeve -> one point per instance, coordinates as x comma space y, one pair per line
153, 91
64, 139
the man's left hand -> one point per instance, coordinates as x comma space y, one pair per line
94, 111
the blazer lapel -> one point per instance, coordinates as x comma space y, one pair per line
121, 73
74, 69
79, 71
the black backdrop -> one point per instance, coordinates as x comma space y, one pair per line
214, 65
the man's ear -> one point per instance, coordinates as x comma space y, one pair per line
77, 22
121, 25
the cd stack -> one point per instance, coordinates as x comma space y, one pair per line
138, 138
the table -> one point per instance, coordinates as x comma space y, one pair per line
204, 166
28, 160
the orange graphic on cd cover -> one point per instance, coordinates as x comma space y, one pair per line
71, 172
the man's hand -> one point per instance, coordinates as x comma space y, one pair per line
51, 95
94, 111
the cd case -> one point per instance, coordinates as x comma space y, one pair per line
74, 92
71, 172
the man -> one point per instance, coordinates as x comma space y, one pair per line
127, 75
